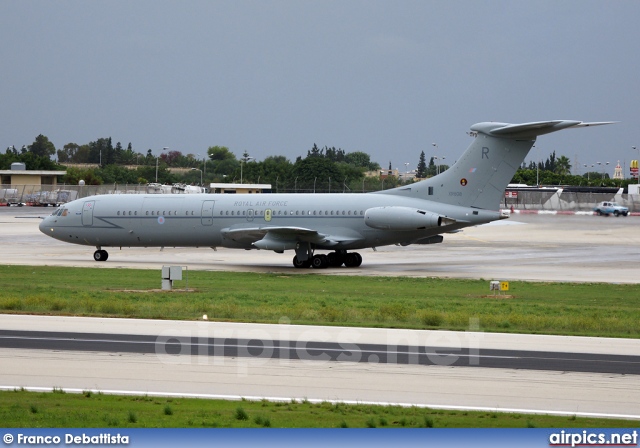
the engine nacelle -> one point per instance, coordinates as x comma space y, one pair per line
403, 218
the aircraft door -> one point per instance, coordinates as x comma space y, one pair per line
250, 215
87, 213
206, 216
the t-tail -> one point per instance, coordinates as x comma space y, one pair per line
479, 178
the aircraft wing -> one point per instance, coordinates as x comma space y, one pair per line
285, 238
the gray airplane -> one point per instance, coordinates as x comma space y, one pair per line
467, 194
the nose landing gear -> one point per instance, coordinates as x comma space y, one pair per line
100, 255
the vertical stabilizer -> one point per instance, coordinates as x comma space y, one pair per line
479, 178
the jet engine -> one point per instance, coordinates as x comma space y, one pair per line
404, 218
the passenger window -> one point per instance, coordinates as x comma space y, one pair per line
118, 212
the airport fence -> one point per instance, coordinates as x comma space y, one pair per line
568, 201
54, 195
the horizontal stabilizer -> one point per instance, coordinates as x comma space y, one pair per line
531, 130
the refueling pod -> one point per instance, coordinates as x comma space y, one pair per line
404, 218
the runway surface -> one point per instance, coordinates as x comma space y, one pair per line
170, 345
551, 374
453, 370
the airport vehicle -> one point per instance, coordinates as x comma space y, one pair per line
610, 208
467, 194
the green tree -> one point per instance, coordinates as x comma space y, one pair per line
562, 166
42, 147
316, 171
421, 169
75, 175
359, 159
220, 153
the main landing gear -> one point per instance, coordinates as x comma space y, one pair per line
100, 255
333, 260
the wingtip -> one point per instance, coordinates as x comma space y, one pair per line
595, 123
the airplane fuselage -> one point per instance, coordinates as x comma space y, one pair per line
208, 220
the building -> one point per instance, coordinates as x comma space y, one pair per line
239, 188
18, 175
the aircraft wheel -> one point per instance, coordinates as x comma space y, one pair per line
335, 259
100, 255
352, 260
301, 264
320, 261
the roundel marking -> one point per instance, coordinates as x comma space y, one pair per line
160, 219
463, 182
267, 215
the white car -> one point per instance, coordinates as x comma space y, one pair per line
607, 208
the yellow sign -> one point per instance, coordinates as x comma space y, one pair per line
504, 286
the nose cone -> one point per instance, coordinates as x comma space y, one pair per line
44, 227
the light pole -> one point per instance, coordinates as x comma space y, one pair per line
244, 159
198, 169
636, 149
435, 157
438, 159
600, 164
204, 162
157, 157
588, 172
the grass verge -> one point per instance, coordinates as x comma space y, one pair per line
22, 409
392, 302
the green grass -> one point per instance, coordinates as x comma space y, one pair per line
393, 302
95, 410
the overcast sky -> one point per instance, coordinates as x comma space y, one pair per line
274, 77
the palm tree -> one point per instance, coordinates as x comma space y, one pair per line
563, 166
